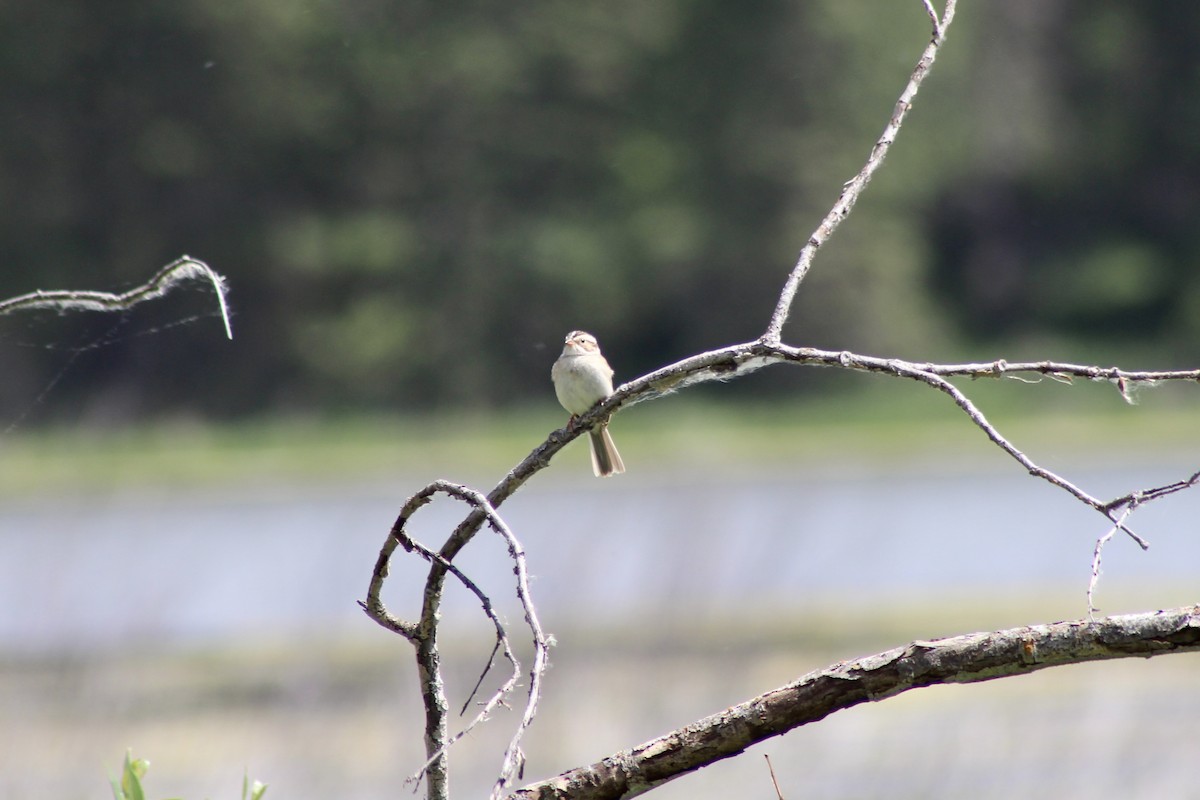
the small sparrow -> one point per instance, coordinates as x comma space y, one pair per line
583, 378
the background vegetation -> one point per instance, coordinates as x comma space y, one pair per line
414, 201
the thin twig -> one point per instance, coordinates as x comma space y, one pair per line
774, 782
181, 269
487, 668
1096, 554
854, 187
937, 25
513, 762
501, 642
976, 416
1146, 495
1061, 371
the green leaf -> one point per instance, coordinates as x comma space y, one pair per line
131, 779
255, 790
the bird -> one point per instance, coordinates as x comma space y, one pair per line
582, 378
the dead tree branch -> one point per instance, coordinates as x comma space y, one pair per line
423, 634
959, 659
735, 361
967, 658
725, 364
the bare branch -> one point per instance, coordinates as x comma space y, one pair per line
487, 668
423, 634
979, 657
1096, 553
725, 364
959, 659
977, 417
502, 643
513, 763
854, 187
181, 269
728, 363
933, 17
1065, 373
741, 359
1146, 495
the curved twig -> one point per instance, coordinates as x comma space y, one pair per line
423, 637
502, 644
181, 269
1097, 552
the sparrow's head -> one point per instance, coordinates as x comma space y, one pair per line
579, 343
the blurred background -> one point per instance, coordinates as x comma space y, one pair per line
413, 203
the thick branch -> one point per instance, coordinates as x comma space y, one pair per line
960, 659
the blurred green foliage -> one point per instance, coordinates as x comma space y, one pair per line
413, 202
129, 785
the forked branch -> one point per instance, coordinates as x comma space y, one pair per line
423, 634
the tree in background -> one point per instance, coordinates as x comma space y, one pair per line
386, 182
